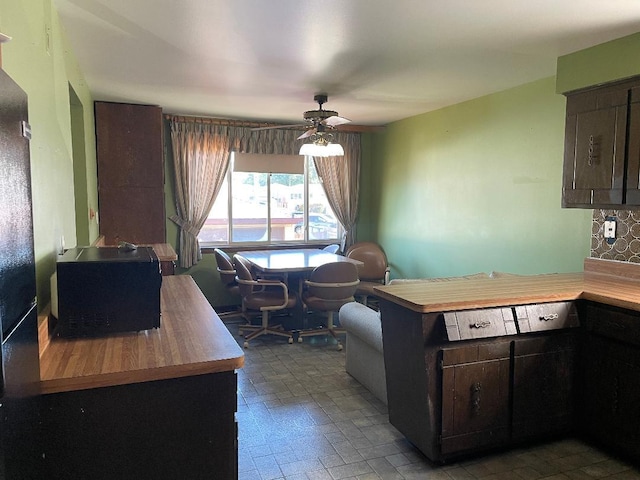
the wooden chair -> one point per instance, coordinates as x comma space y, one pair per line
264, 296
374, 272
328, 288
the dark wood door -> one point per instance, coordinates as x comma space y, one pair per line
595, 138
610, 412
610, 379
633, 150
543, 379
475, 397
130, 173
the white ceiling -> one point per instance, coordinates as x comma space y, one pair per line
379, 60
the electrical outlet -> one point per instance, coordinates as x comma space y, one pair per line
610, 229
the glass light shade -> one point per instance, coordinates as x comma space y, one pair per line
317, 150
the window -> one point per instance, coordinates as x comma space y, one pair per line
270, 199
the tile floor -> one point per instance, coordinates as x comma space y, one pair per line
302, 417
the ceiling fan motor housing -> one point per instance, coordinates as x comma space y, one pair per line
319, 114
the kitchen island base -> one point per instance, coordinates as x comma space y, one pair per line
167, 429
462, 378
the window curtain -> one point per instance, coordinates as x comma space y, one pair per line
340, 178
272, 141
201, 152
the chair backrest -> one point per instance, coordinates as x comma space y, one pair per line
333, 248
340, 281
374, 259
243, 271
225, 267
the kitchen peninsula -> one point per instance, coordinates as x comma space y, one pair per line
156, 404
483, 363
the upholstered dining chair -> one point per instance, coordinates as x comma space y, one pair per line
328, 288
333, 248
374, 272
264, 296
227, 273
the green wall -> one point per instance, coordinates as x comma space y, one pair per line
602, 63
39, 60
476, 187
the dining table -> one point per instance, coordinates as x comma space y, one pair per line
287, 264
295, 260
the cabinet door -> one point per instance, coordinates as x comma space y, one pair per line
543, 379
610, 413
129, 145
130, 173
595, 137
475, 397
633, 150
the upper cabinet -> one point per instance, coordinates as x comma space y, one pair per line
602, 147
130, 173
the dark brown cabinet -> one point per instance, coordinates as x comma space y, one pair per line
475, 396
610, 380
165, 429
130, 173
461, 382
543, 385
602, 147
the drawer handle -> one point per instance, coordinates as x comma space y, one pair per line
616, 326
550, 316
475, 398
484, 324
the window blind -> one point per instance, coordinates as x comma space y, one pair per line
268, 163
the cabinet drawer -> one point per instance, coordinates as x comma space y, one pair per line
470, 324
614, 323
475, 352
546, 316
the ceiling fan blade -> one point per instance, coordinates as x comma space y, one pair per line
307, 134
335, 120
279, 126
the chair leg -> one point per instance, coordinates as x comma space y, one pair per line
265, 329
247, 327
330, 329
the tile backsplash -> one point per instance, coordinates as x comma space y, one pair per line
627, 241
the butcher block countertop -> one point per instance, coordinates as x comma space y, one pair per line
606, 281
191, 340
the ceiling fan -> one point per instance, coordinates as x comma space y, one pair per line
316, 121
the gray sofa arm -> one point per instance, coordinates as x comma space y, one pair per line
363, 322
364, 360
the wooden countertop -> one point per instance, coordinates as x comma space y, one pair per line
191, 340
164, 251
605, 281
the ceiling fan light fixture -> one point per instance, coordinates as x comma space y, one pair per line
321, 146
334, 150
